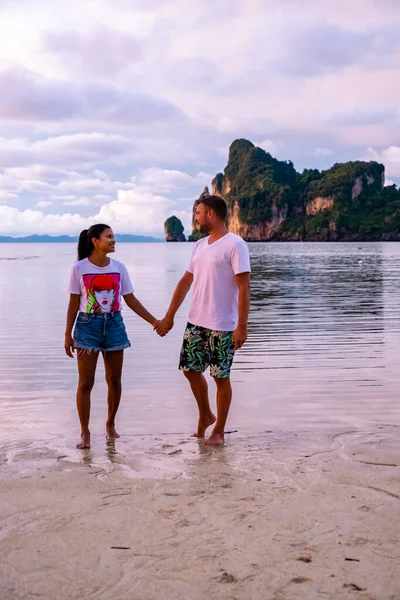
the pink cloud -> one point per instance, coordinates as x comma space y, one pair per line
102, 52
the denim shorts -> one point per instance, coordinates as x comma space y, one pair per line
202, 348
100, 332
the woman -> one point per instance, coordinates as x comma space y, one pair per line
96, 286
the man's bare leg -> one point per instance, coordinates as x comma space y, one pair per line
224, 398
87, 361
113, 361
199, 388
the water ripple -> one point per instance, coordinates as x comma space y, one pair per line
323, 341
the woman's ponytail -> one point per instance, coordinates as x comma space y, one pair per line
85, 243
83, 246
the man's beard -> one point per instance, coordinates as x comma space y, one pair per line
204, 228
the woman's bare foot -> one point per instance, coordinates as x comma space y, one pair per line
202, 426
111, 433
85, 441
215, 439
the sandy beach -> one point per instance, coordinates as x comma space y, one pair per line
278, 516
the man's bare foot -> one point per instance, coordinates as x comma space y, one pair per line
85, 442
215, 439
111, 433
202, 426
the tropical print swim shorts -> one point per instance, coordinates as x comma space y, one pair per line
202, 348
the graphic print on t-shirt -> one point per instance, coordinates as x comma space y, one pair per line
102, 292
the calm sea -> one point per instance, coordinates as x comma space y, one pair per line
323, 346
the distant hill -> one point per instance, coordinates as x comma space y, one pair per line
119, 237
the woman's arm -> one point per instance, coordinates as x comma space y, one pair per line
139, 309
72, 311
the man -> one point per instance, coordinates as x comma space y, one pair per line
220, 271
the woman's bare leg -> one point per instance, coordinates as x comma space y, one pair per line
113, 361
87, 361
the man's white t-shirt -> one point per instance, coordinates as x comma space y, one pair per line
215, 292
100, 288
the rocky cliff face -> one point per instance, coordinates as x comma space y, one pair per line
319, 205
265, 230
221, 186
268, 200
173, 230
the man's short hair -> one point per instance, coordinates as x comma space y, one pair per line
217, 204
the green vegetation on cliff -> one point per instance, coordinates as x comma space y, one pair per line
258, 181
269, 199
196, 235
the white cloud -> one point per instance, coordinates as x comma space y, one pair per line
35, 221
133, 211
43, 204
79, 202
167, 180
100, 174
8, 184
86, 150
269, 146
323, 152
88, 185
134, 206
81, 150
101, 52
41, 172
7, 196
186, 217
36, 186
226, 124
101, 198
63, 197
154, 180
30, 98
390, 157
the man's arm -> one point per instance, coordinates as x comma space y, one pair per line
178, 297
240, 333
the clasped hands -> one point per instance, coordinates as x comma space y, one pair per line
163, 326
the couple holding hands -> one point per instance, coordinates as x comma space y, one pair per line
219, 270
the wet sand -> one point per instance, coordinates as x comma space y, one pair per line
277, 516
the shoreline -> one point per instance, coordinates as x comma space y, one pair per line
280, 516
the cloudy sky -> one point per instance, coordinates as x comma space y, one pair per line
121, 111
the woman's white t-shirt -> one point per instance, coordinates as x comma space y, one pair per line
215, 291
100, 288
